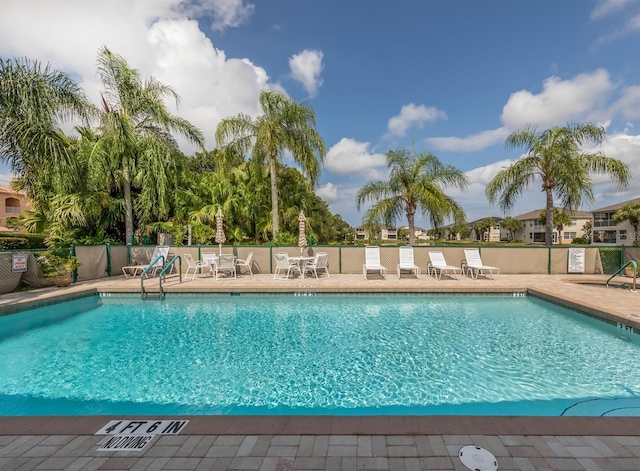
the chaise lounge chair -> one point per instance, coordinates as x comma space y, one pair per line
406, 261
438, 265
475, 266
372, 261
157, 261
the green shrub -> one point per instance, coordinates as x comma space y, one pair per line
10, 243
34, 241
579, 241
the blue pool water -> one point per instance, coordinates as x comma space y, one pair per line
324, 354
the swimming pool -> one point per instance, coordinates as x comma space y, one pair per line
323, 354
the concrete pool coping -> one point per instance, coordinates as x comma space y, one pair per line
518, 442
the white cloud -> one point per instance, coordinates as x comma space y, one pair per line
154, 37
558, 102
229, 13
350, 157
628, 104
306, 68
606, 7
412, 115
328, 192
472, 143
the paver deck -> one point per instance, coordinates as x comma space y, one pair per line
344, 443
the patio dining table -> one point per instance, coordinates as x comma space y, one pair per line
302, 262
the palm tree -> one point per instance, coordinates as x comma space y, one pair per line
560, 219
34, 100
134, 146
483, 226
554, 158
629, 212
512, 225
284, 125
415, 183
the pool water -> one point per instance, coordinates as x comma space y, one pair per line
323, 354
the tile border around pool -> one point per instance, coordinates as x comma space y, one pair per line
25, 305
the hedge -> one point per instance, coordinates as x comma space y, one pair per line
33, 241
10, 243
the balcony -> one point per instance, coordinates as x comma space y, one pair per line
604, 223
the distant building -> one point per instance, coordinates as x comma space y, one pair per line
533, 231
418, 232
606, 231
494, 234
386, 233
12, 203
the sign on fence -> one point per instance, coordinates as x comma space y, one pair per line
19, 262
576, 261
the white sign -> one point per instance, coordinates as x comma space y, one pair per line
143, 427
576, 261
126, 442
19, 262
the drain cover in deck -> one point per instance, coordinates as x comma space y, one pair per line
477, 459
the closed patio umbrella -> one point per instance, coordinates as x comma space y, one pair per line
302, 236
220, 237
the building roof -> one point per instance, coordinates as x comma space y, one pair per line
7, 189
616, 206
535, 214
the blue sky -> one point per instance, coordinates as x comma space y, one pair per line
452, 78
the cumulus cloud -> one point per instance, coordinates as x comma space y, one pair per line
471, 143
328, 192
558, 102
412, 115
350, 157
157, 38
306, 68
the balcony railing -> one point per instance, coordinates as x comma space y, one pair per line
11, 209
604, 223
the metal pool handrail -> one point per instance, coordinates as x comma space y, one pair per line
168, 266
635, 272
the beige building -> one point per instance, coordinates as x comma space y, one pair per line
533, 230
606, 231
12, 203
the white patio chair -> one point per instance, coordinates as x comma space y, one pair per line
474, 264
438, 265
158, 259
194, 265
283, 264
406, 261
245, 263
226, 263
321, 262
372, 261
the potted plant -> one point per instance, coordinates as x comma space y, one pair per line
58, 268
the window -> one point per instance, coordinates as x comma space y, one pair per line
622, 235
569, 235
530, 235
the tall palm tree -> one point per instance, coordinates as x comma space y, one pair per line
284, 125
415, 183
135, 146
34, 100
629, 212
555, 159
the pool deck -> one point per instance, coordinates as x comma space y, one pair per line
343, 443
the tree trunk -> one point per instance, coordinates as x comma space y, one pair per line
128, 217
412, 230
548, 237
274, 197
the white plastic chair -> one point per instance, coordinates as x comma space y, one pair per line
210, 260
406, 261
438, 265
158, 259
194, 265
245, 263
474, 264
321, 262
226, 264
283, 264
372, 261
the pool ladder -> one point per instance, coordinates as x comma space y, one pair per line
168, 267
635, 273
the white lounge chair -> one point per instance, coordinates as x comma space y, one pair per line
372, 261
226, 263
245, 263
194, 265
438, 265
406, 261
158, 259
321, 262
475, 266
283, 264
